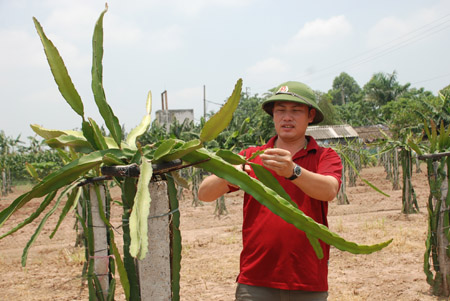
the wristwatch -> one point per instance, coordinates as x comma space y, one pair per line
296, 172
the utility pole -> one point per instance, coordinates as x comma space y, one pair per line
165, 110
204, 102
164, 101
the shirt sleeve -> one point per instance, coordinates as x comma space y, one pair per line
330, 164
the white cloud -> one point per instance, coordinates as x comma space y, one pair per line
319, 33
266, 73
325, 28
386, 30
270, 65
395, 30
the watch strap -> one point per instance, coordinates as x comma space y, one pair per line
294, 174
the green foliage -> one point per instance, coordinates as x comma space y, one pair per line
405, 114
383, 88
91, 149
438, 237
438, 108
345, 90
401, 147
383, 100
329, 111
60, 73
14, 158
359, 113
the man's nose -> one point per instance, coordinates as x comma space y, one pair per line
287, 115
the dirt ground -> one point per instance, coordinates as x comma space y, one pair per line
211, 248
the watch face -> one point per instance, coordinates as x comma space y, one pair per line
297, 170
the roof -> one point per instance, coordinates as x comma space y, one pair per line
373, 132
331, 132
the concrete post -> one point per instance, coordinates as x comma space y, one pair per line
101, 258
154, 270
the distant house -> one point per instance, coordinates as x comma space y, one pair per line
332, 134
369, 134
168, 116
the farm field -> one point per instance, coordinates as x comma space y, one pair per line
211, 248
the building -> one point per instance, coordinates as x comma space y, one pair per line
332, 134
168, 116
372, 133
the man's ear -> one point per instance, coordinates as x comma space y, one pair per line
311, 114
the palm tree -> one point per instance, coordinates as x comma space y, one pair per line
383, 88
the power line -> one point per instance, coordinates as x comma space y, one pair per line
424, 32
216, 103
403, 44
430, 79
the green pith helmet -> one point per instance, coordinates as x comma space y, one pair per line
295, 92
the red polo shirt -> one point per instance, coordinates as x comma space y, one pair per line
275, 253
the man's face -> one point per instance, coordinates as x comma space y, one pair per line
291, 119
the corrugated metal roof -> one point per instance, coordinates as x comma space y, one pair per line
372, 133
331, 132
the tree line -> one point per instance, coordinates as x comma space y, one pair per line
382, 100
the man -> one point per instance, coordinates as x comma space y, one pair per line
277, 261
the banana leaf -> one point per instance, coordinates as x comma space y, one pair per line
32, 171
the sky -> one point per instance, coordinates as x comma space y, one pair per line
188, 47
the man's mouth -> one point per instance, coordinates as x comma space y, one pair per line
287, 126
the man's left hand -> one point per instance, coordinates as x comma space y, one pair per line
278, 160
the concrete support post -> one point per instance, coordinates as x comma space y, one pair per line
155, 269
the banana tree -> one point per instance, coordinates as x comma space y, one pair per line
90, 150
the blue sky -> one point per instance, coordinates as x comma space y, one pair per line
180, 46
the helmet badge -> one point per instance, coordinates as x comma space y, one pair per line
283, 89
